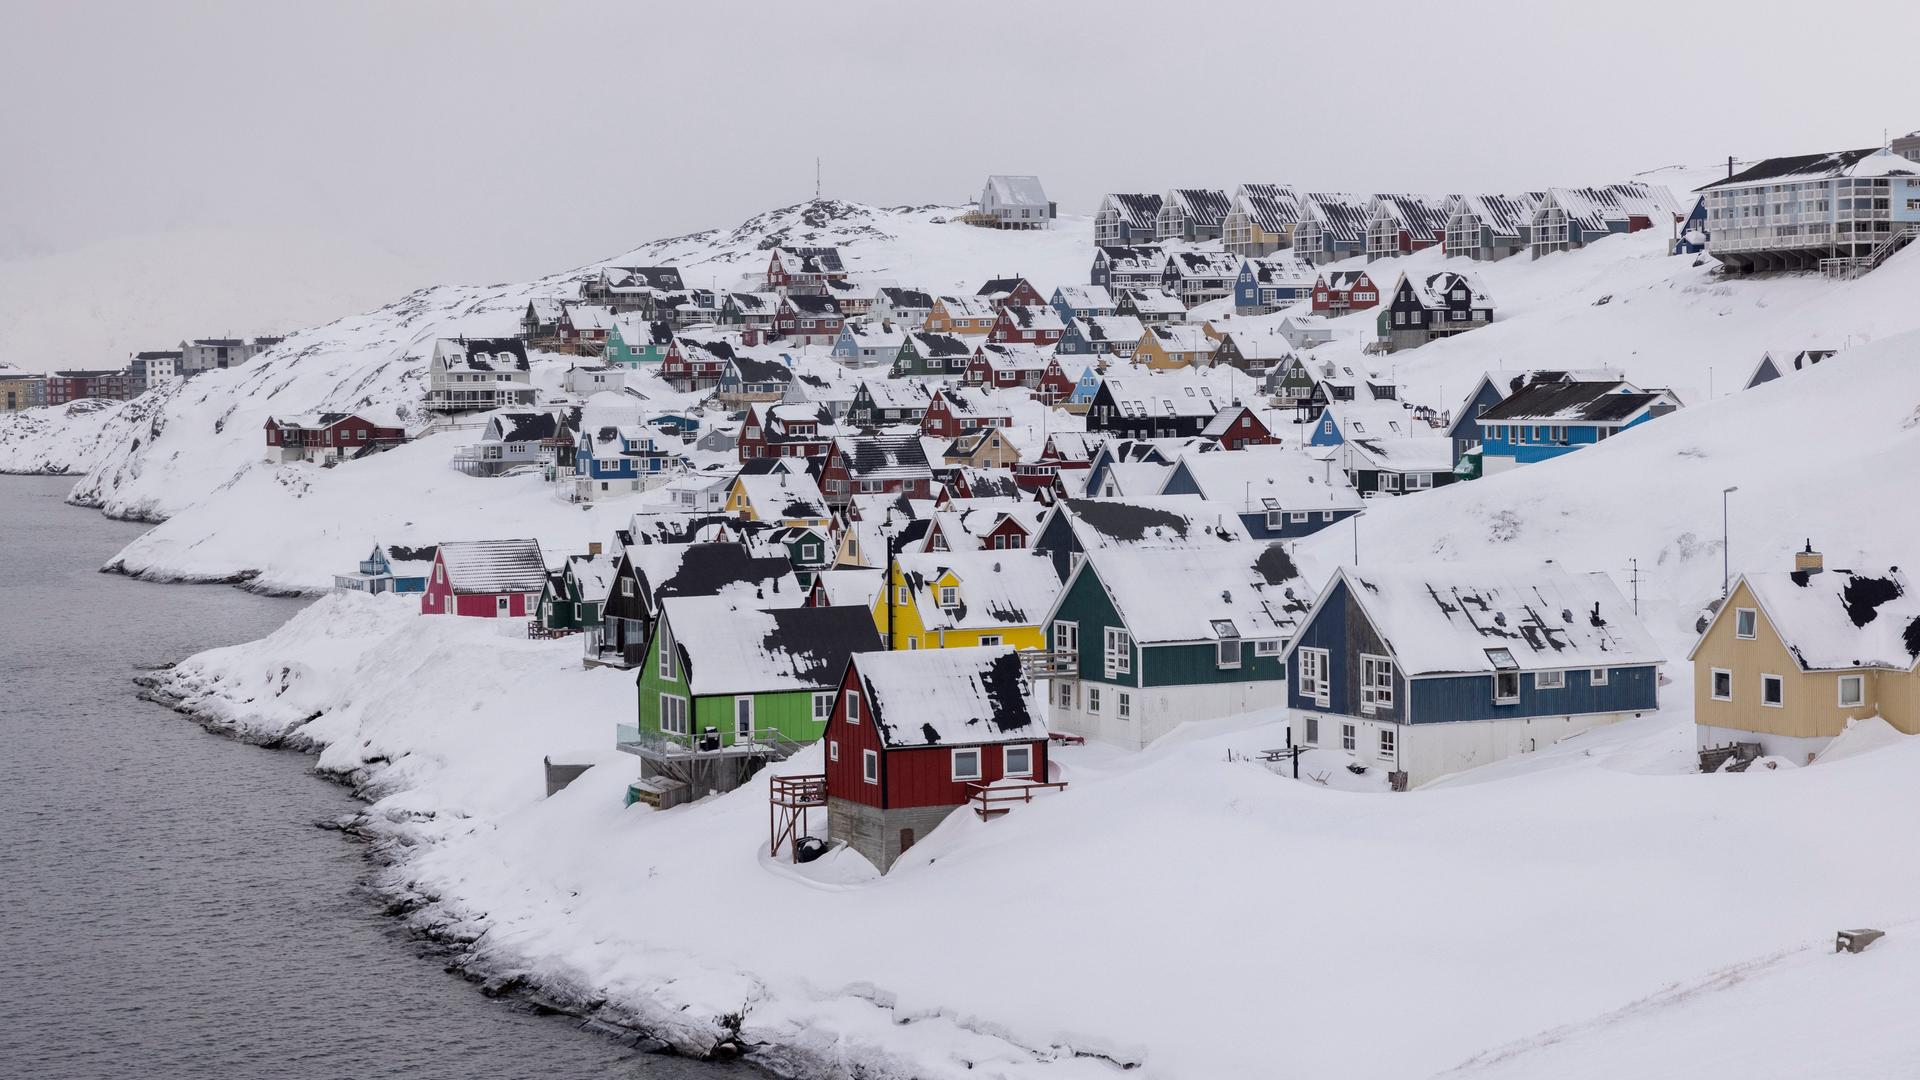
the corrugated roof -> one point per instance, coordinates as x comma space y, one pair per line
494, 566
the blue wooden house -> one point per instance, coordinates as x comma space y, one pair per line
1548, 419
1422, 671
1464, 429
620, 460
1343, 420
1693, 230
634, 342
391, 569
1081, 302
1268, 284
1084, 388
1277, 492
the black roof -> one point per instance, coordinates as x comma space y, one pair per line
868, 453
815, 305
907, 298
761, 371
528, 426
660, 277
824, 637
945, 345
1136, 209
999, 285
158, 354
493, 346
705, 569
1578, 401
1811, 165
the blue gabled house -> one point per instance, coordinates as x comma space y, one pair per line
1465, 428
1693, 230
1545, 420
1423, 671
1081, 302
1084, 388
392, 569
1268, 284
612, 461
1277, 492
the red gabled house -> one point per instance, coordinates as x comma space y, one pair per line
1020, 367
1000, 292
807, 319
804, 270
1020, 324
876, 465
954, 412
485, 579
782, 429
916, 735
1237, 427
691, 364
1343, 291
328, 436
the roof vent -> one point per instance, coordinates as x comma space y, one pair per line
1499, 618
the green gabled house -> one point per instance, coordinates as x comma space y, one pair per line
721, 674
576, 594
1160, 637
932, 354
633, 341
810, 550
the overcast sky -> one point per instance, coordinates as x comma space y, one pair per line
496, 140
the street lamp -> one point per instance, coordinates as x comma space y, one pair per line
1726, 558
1356, 534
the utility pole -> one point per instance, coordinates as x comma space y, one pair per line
816, 179
1634, 577
1726, 558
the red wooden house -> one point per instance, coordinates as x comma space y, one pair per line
806, 319
1001, 292
328, 436
782, 429
916, 735
1237, 427
954, 412
485, 579
1032, 368
876, 465
691, 364
584, 324
1344, 291
1022, 325
805, 270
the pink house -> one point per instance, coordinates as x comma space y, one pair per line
485, 579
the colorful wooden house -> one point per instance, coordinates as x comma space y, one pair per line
1567, 219
1486, 228
392, 569
807, 319
633, 341
782, 430
914, 736
1432, 306
620, 460
1199, 277
510, 440
1277, 492
1157, 638
1546, 420
803, 270
649, 574
962, 410
1261, 220
960, 315
1167, 405
867, 346
1010, 292
924, 353
783, 496
1237, 427
1152, 305
1424, 671
1026, 325
1072, 302
749, 379
1402, 224
986, 448
576, 594
1342, 291
696, 363
1191, 214
485, 579
945, 599
1265, 285
1118, 269
876, 465
1332, 226
1792, 659
1165, 347
1102, 335
584, 325
1033, 368
329, 437
721, 675
1073, 527
1124, 219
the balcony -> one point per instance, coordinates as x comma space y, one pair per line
664, 746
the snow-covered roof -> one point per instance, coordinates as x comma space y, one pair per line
729, 646
905, 299
966, 307
1503, 214
1082, 297
884, 457
1015, 355
1415, 454
494, 566
1134, 259
1204, 207
975, 401
855, 588
1873, 161
1136, 209
1375, 419
1273, 207
1183, 338
1150, 521
594, 574
993, 589
589, 317
948, 697
1431, 289
1841, 618
896, 393
1606, 402
1281, 269
1034, 317
1341, 216
1185, 392
1204, 263
1115, 328
1171, 596
1154, 301
1246, 479
1015, 191
1420, 215
779, 496
715, 569
1461, 617
948, 345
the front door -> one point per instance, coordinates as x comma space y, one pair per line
742, 719
501, 606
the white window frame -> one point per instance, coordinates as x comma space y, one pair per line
979, 764
1312, 680
1597, 676
1349, 737
1860, 694
1006, 760
1389, 742
1311, 733
1713, 679
1506, 699
666, 666
1118, 653
1779, 681
1066, 635
1373, 695
1093, 701
987, 640
1221, 657
1549, 680
1122, 705
823, 705
1066, 694
833, 749
675, 718
853, 706
1752, 619
1269, 646
949, 596
870, 766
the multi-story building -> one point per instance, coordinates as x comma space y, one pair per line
65, 386
21, 389
1844, 211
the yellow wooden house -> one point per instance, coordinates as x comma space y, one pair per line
960, 315
1792, 659
951, 599
779, 497
1164, 348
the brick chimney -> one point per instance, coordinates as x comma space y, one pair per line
1808, 561
593, 548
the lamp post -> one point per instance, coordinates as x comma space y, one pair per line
1356, 534
1726, 558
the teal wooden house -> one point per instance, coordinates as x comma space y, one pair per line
635, 342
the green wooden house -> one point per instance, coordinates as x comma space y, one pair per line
811, 550
1165, 636
932, 354
636, 342
576, 594
720, 673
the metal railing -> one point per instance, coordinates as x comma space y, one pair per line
1846, 269
760, 742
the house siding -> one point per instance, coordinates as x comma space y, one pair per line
1470, 697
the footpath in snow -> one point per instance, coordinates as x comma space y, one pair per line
1593, 909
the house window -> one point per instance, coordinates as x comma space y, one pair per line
1389, 740
1348, 737
870, 766
949, 596
666, 653
1066, 694
1853, 691
1066, 636
1722, 684
810, 552
1119, 652
673, 714
1311, 736
1268, 647
1093, 700
1597, 677
900, 596
833, 749
823, 706
1297, 516
1773, 691
1016, 761
1376, 683
1744, 623
1313, 676
1123, 705
1274, 518
989, 639
1227, 654
1549, 680
853, 706
1506, 687
966, 764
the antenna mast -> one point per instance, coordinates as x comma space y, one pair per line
816, 179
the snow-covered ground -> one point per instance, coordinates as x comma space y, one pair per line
1594, 909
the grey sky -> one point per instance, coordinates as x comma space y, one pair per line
498, 140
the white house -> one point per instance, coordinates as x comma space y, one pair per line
1015, 202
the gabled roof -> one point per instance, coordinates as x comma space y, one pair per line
657, 277
1431, 289
1455, 618
1167, 394
1082, 297
593, 574
1578, 402
884, 457
995, 589
1166, 522
1015, 355
1154, 301
1016, 191
715, 569
1244, 480
1415, 454
1504, 214
1168, 597
1032, 317
728, 646
932, 345
1839, 619
1182, 338
1135, 257
751, 370
1203, 264
895, 393
1126, 329
1341, 216
523, 427
1137, 209
778, 496
908, 299
856, 588
1872, 161
1204, 207
810, 260
1282, 269
972, 401
948, 697
807, 304
1273, 207
1421, 215
968, 307
483, 354
494, 566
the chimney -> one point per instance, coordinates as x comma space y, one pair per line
593, 548
1808, 561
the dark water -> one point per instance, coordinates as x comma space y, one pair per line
167, 908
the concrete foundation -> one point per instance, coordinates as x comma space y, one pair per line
882, 835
